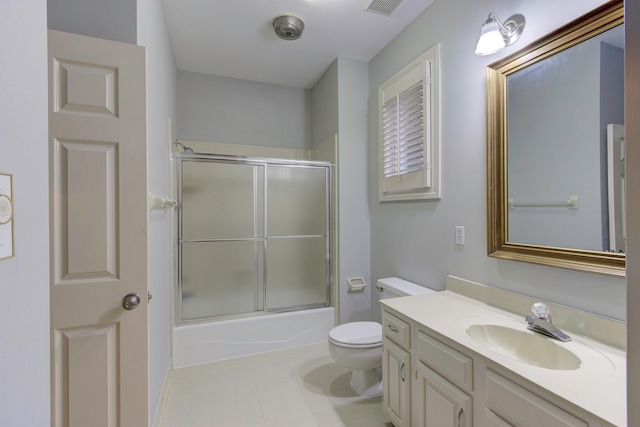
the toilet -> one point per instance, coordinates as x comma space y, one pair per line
358, 345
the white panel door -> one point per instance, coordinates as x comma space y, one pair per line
98, 187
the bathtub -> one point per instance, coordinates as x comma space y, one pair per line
207, 342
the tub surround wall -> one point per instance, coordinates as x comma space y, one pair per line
416, 241
247, 150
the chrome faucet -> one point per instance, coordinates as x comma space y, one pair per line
542, 324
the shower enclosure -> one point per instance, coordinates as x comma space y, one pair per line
253, 236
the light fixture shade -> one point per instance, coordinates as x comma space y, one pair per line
491, 39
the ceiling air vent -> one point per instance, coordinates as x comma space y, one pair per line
383, 7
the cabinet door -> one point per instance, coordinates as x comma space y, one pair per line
438, 403
396, 375
493, 420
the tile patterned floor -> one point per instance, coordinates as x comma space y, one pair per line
296, 387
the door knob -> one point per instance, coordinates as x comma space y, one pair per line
130, 301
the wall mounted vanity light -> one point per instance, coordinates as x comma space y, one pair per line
495, 35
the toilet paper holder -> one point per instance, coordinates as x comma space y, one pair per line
356, 284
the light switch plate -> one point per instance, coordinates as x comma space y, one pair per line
459, 235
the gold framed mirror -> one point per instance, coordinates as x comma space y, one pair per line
515, 148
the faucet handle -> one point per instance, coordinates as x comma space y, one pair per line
541, 310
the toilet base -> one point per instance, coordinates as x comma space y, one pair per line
366, 382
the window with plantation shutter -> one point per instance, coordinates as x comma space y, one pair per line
403, 132
409, 131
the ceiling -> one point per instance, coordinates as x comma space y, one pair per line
235, 38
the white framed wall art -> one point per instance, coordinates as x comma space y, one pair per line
6, 216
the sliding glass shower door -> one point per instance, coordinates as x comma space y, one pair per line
253, 236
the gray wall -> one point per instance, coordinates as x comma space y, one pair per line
324, 105
416, 240
233, 111
161, 108
111, 20
339, 106
24, 279
354, 227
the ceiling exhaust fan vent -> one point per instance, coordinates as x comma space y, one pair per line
383, 7
288, 27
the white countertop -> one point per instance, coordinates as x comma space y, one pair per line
598, 385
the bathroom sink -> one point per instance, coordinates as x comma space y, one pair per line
524, 346
511, 338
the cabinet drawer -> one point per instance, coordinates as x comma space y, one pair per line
448, 362
520, 406
396, 330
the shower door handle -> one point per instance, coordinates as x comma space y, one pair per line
130, 301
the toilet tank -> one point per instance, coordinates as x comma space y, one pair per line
392, 287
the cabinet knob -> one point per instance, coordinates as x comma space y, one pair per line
461, 418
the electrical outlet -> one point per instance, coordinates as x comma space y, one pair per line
459, 235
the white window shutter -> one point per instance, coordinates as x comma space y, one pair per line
390, 137
409, 132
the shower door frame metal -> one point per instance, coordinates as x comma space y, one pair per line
265, 162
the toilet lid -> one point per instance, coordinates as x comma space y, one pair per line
357, 333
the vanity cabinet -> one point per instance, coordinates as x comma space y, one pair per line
437, 402
396, 369
432, 381
444, 381
415, 392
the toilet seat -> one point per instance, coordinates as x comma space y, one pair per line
357, 335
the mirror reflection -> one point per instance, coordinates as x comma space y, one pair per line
565, 154
554, 182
